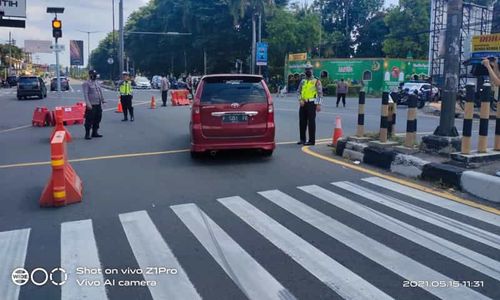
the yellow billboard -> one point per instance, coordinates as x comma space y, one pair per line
486, 43
297, 56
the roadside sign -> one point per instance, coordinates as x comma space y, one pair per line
13, 8
485, 46
37, 46
297, 56
111, 60
57, 47
261, 54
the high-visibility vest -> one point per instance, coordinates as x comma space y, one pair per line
126, 88
309, 90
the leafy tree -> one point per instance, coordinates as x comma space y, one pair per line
99, 57
370, 37
340, 18
290, 31
17, 53
408, 26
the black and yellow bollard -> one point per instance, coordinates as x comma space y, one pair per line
411, 122
384, 123
468, 118
360, 131
484, 115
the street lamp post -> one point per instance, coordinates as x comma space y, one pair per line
88, 45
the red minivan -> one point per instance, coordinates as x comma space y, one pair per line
232, 111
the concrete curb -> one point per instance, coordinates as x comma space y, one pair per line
408, 165
481, 185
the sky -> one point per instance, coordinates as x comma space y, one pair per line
88, 15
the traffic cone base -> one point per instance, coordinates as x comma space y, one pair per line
119, 109
153, 103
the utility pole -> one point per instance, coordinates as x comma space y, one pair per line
445, 139
114, 40
10, 53
122, 35
252, 68
451, 69
260, 37
204, 62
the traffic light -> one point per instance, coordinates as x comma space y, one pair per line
56, 28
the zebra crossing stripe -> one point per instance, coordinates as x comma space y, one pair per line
150, 250
447, 223
79, 249
254, 281
435, 200
372, 249
13, 248
337, 277
432, 242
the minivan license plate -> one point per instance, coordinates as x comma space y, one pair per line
234, 118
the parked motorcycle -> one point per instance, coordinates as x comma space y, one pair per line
402, 97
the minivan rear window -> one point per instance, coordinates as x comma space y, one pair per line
28, 80
233, 90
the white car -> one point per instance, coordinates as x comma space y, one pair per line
420, 86
142, 83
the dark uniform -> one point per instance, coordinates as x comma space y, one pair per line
125, 89
94, 98
310, 93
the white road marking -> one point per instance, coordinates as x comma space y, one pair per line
414, 234
150, 250
13, 248
433, 218
383, 255
436, 200
340, 279
254, 281
79, 250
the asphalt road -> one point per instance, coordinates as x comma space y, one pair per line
236, 226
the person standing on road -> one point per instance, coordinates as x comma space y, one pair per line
165, 86
341, 91
310, 93
125, 88
92, 93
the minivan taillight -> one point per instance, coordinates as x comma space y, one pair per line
196, 113
270, 113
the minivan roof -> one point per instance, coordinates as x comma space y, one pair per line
232, 75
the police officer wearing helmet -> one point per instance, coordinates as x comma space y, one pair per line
310, 94
92, 93
125, 88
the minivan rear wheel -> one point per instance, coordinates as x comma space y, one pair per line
267, 153
196, 155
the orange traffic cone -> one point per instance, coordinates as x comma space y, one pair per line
337, 132
119, 109
153, 103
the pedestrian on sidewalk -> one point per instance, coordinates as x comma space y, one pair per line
125, 88
93, 96
342, 89
310, 93
164, 86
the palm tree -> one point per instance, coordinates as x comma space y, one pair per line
238, 8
